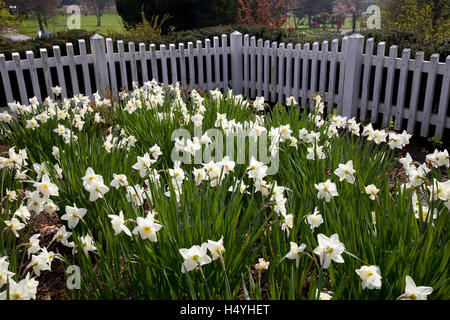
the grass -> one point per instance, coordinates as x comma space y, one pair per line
110, 21
304, 27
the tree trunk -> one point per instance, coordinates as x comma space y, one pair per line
99, 22
41, 26
309, 21
354, 20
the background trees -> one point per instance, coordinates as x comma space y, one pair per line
98, 7
271, 13
310, 9
184, 14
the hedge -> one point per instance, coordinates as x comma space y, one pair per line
403, 39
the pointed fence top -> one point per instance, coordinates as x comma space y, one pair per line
96, 36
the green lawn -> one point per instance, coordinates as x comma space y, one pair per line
109, 21
305, 28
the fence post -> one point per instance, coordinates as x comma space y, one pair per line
236, 62
100, 65
352, 75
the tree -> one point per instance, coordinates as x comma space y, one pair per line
44, 9
352, 8
430, 18
310, 9
6, 19
271, 13
184, 14
98, 6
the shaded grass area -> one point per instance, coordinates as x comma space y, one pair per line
110, 22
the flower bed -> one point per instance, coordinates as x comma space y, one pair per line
150, 207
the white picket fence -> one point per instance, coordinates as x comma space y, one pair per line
354, 81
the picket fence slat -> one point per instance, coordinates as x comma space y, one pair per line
314, 63
122, 64
209, 82
402, 89
415, 92
288, 87
323, 67
366, 78
72, 69
225, 62
132, 51
429, 94
217, 81
47, 74
279, 84
378, 78
252, 67
305, 75
296, 91
333, 67
85, 69
444, 100
266, 69
5, 79
173, 63
245, 50
34, 76
390, 84
273, 71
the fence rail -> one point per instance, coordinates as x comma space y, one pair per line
404, 91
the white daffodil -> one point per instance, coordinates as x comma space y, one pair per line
97, 190
62, 236
216, 248
46, 188
120, 180
372, 191
326, 190
23, 213
143, 164
315, 153
118, 224
346, 171
4, 272
295, 253
194, 256
262, 265
147, 227
90, 178
135, 194
257, 170
73, 215
32, 124
329, 249
87, 244
315, 219
155, 151
370, 276
33, 244
287, 223
14, 225
412, 292
324, 295
18, 291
